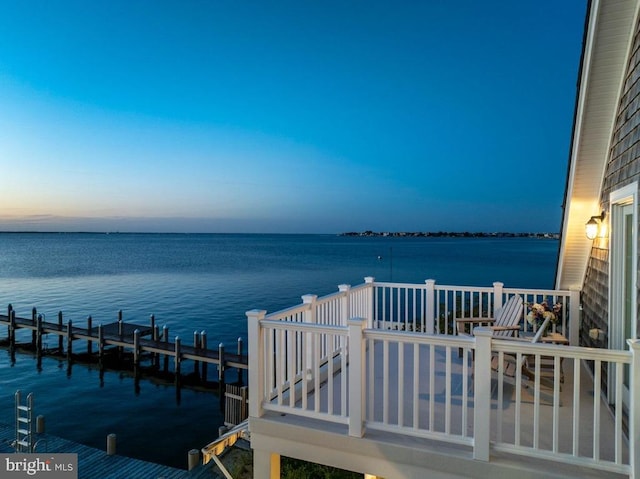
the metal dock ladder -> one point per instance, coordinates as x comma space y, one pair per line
24, 424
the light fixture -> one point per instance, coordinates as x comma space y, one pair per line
592, 228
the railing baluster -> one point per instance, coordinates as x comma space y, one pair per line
385, 382
330, 370
576, 407
432, 387
518, 398
316, 372
371, 374
596, 408
355, 349
416, 386
618, 413
556, 401
447, 390
401, 385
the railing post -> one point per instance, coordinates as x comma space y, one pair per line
356, 376
430, 310
344, 303
482, 393
370, 312
310, 312
311, 318
574, 317
634, 408
497, 296
256, 359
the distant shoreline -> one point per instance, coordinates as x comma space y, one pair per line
382, 234
452, 234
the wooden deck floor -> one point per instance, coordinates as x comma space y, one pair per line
433, 405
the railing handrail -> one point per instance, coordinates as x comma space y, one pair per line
299, 308
545, 292
574, 352
303, 327
426, 339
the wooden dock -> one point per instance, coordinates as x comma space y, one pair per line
94, 463
125, 346
134, 338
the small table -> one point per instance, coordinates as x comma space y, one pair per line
554, 338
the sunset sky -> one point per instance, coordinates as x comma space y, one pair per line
286, 116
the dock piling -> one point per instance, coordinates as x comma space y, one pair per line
193, 459
39, 336
156, 338
165, 335
40, 424
60, 339
221, 386
203, 345
69, 341
136, 347
111, 445
89, 343
221, 363
196, 345
12, 328
120, 333
100, 345
9, 309
177, 360
34, 317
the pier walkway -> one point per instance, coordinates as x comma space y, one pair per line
94, 462
131, 337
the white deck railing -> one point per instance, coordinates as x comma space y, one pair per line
428, 308
374, 371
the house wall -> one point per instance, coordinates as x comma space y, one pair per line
623, 168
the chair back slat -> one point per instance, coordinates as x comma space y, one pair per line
509, 315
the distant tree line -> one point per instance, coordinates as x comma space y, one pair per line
452, 234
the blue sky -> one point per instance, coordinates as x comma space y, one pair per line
287, 116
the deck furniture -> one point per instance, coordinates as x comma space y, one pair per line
525, 364
505, 322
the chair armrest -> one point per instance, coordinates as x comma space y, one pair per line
505, 328
475, 320
514, 338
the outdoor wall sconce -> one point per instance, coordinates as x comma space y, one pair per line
592, 228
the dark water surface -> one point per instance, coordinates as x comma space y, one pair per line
203, 282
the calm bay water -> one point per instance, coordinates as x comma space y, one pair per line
203, 282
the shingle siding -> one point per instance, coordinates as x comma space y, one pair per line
623, 168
